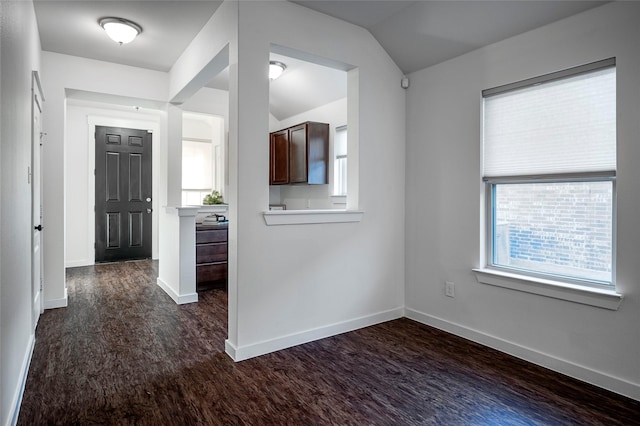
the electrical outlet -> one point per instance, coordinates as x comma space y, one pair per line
449, 289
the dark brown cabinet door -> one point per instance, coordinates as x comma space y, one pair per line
279, 158
298, 154
318, 153
123, 194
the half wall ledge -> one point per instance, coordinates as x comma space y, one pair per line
305, 217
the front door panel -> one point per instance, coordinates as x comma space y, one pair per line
123, 194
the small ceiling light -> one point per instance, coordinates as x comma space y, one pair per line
276, 69
120, 30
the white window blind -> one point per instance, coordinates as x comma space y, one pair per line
559, 126
340, 142
197, 165
340, 161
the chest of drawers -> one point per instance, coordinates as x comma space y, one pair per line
211, 256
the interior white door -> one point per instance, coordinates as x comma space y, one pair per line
36, 204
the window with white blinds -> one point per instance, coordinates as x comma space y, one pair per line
549, 164
197, 171
565, 125
340, 161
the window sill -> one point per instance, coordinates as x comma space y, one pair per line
303, 217
607, 299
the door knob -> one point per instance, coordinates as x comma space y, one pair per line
149, 210
38, 228
148, 199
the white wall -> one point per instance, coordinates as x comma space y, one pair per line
209, 101
20, 55
302, 282
171, 186
207, 55
443, 203
289, 284
60, 74
82, 117
200, 126
300, 197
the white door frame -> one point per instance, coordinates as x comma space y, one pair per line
35, 179
131, 123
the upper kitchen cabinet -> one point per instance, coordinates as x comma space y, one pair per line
279, 157
299, 154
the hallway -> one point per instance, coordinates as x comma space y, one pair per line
124, 353
122, 350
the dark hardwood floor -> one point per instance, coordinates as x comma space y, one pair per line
123, 352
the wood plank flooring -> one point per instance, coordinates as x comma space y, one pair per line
124, 353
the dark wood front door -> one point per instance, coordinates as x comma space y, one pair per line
123, 194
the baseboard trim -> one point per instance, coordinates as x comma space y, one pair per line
230, 349
179, 299
567, 368
78, 263
24, 371
249, 351
57, 303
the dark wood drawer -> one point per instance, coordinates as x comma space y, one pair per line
204, 236
211, 272
208, 253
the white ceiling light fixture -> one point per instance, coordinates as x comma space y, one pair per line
276, 69
120, 30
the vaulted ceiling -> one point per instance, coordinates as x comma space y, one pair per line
416, 34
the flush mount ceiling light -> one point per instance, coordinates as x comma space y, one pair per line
120, 30
276, 69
